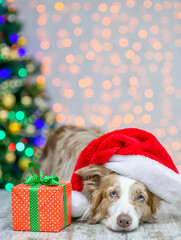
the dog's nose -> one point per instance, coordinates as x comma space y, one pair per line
124, 220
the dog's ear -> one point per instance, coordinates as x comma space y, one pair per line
154, 202
92, 176
93, 179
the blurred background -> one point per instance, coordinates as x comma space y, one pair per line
112, 64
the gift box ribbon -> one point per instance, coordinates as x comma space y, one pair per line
36, 182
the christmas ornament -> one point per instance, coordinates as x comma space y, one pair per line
22, 41
23, 162
30, 129
134, 153
14, 128
10, 157
26, 101
8, 101
3, 115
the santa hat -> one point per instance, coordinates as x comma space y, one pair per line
133, 153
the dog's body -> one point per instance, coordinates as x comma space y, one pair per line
63, 149
118, 201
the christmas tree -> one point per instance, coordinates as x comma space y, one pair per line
25, 119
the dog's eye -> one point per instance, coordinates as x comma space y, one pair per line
140, 198
113, 194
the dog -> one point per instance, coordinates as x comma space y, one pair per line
119, 202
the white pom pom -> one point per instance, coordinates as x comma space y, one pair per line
79, 204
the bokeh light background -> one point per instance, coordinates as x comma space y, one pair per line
110, 64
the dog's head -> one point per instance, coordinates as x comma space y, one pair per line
119, 202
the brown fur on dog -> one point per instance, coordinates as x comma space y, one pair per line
63, 148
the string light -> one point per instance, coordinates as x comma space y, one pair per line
20, 115
8, 187
1, 20
20, 146
4, 73
39, 123
21, 52
14, 38
22, 72
12, 147
38, 141
2, 135
29, 152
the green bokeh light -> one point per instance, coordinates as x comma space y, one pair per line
22, 72
20, 115
2, 135
8, 186
11, 115
29, 152
20, 146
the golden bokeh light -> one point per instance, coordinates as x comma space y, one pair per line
70, 58
79, 121
76, 19
45, 45
57, 107
146, 118
40, 79
56, 82
102, 7
115, 8
137, 46
40, 8
142, 33
158, 7
130, 3
106, 21
90, 55
116, 122
123, 42
147, 3
130, 54
60, 118
123, 29
116, 81
76, 6
85, 82
148, 93
66, 42
68, 93
106, 33
128, 119
147, 18
59, 6
176, 146
138, 109
112, 64
115, 59
88, 93
107, 84
77, 32
149, 106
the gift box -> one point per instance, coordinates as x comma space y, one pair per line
42, 205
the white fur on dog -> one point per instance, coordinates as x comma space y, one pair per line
122, 206
79, 204
159, 179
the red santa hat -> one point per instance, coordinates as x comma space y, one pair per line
133, 153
